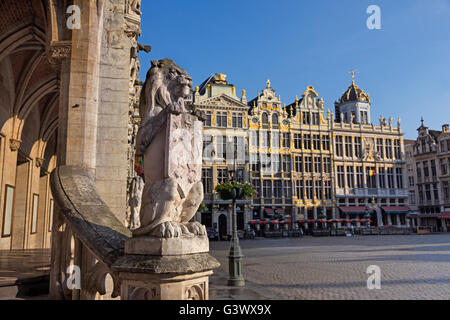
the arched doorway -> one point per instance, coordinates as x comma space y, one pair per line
222, 226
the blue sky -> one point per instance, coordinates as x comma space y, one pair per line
405, 66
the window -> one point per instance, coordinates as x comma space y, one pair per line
277, 189
380, 148
265, 139
298, 164
382, 178
315, 118
348, 147
389, 148
359, 177
254, 137
222, 147
443, 167
307, 141
266, 164
426, 172
350, 177
421, 193
299, 189
208, 148
222, 175
297, 141
208, 119
411, 181
207, 180
257, 185
436, 192
318, 190
222, 119
254, 162
327, 165
358, 147
276, 167
237, 120
8, 211
286, 163
275, 139
309, 189
50, 219
265, 118
306, 117
267, 189
397, 150
399, 177
308, 164
340, 177
446, 190
316, 142
326, 143
371, 178
34, 213
339, 146
328, 190
412, 197
287, 189
286, 140
428, 192
390, 175
275, 119
419, 171
317, 165
433, 168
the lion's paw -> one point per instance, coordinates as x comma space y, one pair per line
167, 229
196, 228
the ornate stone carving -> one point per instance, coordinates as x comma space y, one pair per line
135, 194
39, 162
14, 144
59, 50
170, 139
195, 292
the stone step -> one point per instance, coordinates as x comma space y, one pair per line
25, 288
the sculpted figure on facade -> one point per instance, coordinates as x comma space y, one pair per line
170, 140
135, 193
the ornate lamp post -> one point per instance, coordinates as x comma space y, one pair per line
236, 278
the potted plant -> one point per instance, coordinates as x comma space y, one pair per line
235, 190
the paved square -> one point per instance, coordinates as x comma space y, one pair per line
412, 267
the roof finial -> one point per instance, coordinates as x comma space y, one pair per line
421, 120
268, 83
353, 72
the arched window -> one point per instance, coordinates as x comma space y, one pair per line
265, 118
274, 118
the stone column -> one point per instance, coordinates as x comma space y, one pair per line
315, 217
389, 219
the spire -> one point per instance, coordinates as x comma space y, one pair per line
353, 72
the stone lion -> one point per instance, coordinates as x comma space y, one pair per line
173, 190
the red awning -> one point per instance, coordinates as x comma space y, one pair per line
354, 210
396, 209
268, 210
444, 215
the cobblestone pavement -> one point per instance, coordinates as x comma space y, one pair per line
412, 267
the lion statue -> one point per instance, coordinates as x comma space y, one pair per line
169, 132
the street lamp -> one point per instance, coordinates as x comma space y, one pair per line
236, 278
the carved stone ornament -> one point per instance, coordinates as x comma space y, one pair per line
39, 162
14, 144
59, 50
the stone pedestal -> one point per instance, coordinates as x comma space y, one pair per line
166, 246
179, 277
